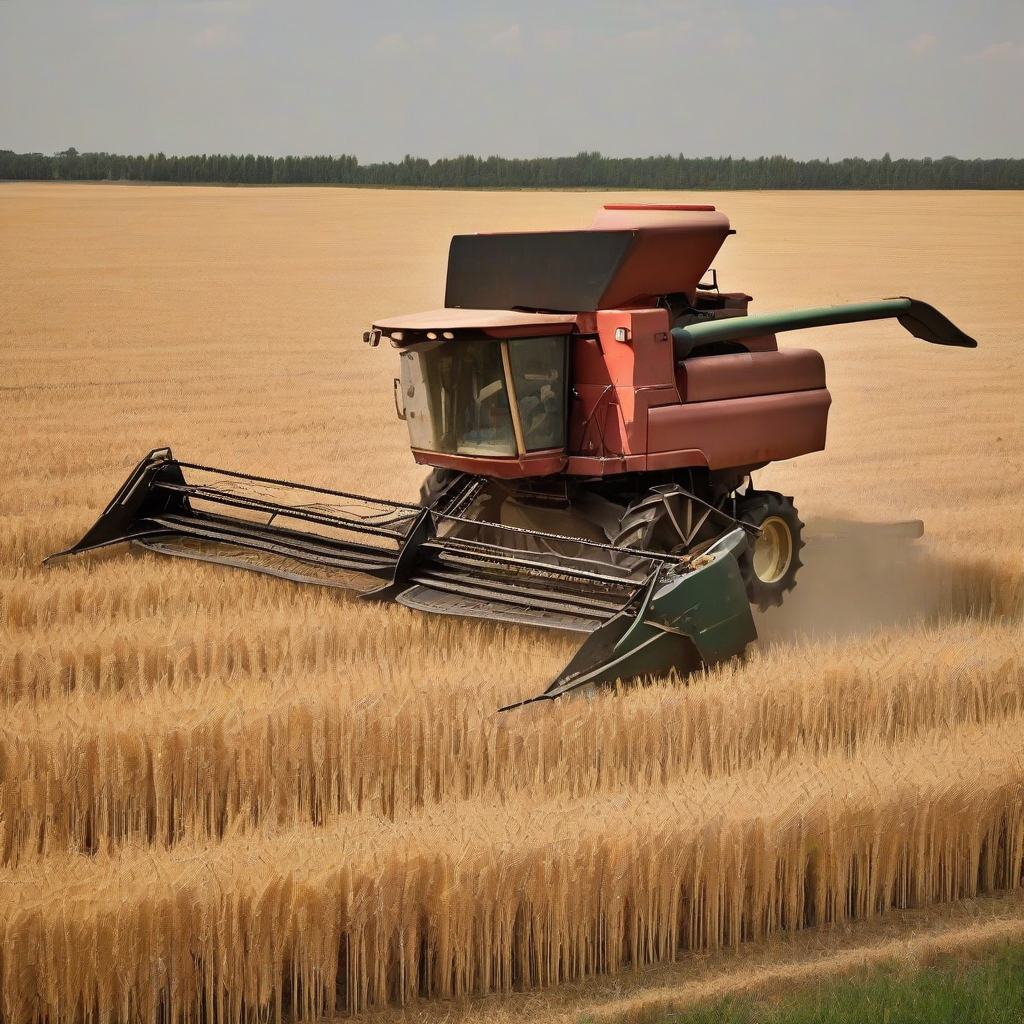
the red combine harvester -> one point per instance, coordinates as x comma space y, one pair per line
592, 411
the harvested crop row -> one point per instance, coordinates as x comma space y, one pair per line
176, 649
217, 759
483, 898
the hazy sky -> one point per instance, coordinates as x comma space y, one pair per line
382, 78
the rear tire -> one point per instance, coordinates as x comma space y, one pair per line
670, 519
771, 561
646, 525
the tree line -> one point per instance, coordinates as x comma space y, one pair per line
585, 170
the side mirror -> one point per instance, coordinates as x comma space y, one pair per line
399, 399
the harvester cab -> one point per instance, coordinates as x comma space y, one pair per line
591, 411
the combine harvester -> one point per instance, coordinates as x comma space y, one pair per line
592, 412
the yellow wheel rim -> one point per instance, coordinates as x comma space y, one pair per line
773, 550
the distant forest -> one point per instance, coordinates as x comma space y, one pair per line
585, 170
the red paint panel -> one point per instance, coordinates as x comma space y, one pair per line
671, 251
636, 366
743, 431
534, 464
709, 378
677, 460
588, 365
647, 358
658, 396
658, 206
594, 421
762, 343
592, 466
527, 331
616, 382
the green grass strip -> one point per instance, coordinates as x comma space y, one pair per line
985, 989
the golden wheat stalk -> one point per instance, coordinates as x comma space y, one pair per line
212, 759
475, 897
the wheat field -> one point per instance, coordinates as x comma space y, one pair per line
229, 797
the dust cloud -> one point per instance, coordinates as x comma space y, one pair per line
860, 577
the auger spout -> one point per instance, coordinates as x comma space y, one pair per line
919, 318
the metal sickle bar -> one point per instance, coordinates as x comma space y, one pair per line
280, 542
490, 553
550, 580
208, 493
507, 584
502, 592
157, 501
298, 487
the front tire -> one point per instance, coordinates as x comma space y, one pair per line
771, 561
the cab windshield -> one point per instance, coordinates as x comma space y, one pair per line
459, 400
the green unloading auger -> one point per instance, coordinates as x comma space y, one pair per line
920, 319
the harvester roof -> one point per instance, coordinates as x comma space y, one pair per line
630, 255
499, 322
